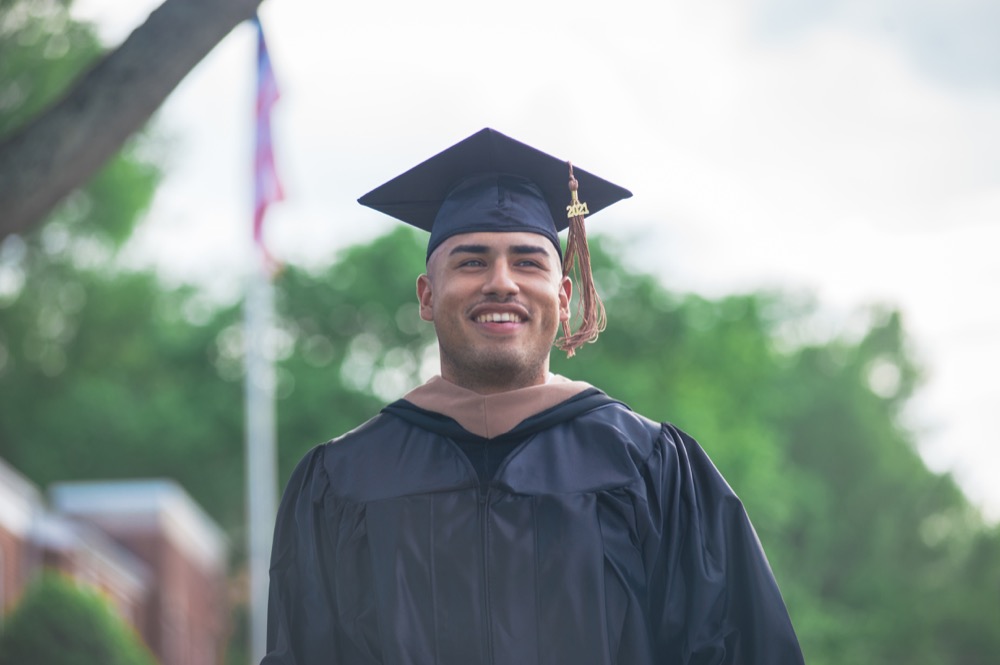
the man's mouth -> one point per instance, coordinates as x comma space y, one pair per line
498, 317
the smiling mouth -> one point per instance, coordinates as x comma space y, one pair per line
498, 317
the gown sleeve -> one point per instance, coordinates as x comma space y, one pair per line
295, 593
713, 599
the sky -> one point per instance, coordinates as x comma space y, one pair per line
842, 151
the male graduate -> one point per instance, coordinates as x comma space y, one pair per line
498, 513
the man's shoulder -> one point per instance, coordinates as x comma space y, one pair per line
610, 413
381, 427
366, 428
614, 419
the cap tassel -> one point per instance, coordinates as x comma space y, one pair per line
590, 308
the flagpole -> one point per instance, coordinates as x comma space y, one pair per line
261, 486
261, 475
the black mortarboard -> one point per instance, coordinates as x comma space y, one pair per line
489, 182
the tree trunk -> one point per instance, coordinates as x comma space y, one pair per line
62, 147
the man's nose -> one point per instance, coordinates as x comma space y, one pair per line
500, 280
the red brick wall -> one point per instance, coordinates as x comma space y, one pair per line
12, 569
186, 622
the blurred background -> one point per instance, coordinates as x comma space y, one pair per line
802, 280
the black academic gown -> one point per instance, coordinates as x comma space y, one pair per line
587, 535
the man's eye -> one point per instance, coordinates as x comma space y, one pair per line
472, 263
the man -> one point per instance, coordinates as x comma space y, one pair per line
500, 514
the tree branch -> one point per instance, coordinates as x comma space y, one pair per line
61, 148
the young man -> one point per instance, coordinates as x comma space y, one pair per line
500, 514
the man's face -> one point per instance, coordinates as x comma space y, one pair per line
496, 301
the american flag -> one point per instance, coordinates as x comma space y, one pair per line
267, 186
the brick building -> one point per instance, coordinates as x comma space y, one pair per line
145, 544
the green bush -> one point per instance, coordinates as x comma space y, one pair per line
58, 623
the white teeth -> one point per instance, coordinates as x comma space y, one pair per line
498, 317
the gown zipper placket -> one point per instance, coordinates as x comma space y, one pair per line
485, 494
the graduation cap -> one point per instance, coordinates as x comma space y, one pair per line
490, 182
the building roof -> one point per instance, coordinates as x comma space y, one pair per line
20, 501
159, 503
57, 533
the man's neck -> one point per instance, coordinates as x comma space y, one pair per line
492, 385
492, 415
487, 382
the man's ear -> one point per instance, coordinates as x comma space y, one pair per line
424, 297
565, 295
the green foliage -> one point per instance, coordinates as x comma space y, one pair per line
357, 340
42, 49
58, 623
107, 376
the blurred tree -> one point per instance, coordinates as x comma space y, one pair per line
358, 341
62, 136
59, 623
882, 543
109, 375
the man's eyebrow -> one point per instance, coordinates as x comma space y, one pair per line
528, 249
468, 249
484, 249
